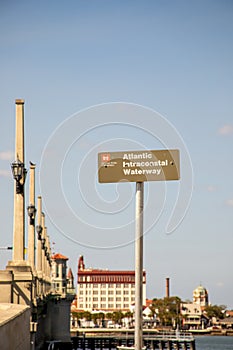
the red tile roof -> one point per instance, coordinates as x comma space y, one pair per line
148, 302
59, 256
70, 273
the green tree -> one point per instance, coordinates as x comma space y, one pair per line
86, 315
117, 316
129, 315
215, 311
109, 316
79, 315
167, 310
98, 318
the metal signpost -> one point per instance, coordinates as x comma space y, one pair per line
139, 166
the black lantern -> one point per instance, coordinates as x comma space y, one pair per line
39, 230
18, 172
43, 243
31, 213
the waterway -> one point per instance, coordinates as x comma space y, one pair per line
214, 343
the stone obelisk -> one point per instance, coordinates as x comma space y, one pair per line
39, 235
19, 201
31, 220
22, 271
43, 243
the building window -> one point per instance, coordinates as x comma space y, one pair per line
126, 292
103, 299
110, 285
103, 292
110, 305
81, 306
103, 306
95, 285
118, 292
126, 285
126, 299
81, 292
95, 306
110, 299
95, 292
118, 306
95, 299
118, 299
103, 285
110, 292
118, 285
126, 306
80, 285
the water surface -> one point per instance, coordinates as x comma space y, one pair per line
214, 343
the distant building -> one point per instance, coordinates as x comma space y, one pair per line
229, 313
227, 322
192, 317
106, 290
59, 278
200, 296
70, 280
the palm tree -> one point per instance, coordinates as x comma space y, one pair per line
117, 316
129, 315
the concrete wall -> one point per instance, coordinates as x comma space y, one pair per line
6, 293
22, 282
14, 327
60, 320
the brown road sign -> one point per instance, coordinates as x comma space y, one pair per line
139, 166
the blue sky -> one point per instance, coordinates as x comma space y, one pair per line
172, 57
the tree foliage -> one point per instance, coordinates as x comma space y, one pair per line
215, 311
167, 310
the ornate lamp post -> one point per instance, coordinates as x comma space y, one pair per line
19, 173
31, 213
39, 230
43, 243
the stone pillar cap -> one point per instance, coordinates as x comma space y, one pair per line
19, 101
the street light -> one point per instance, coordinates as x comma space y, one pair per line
19, 172
39, 230
43, 243
31, 213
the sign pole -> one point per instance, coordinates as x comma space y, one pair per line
139, 166
138, 335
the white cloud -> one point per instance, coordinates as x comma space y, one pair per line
229, 202
7, 155
211, 188
5, 173
226, 129
220, 284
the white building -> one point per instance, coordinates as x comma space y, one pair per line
200, 296
106, 290
59, 278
